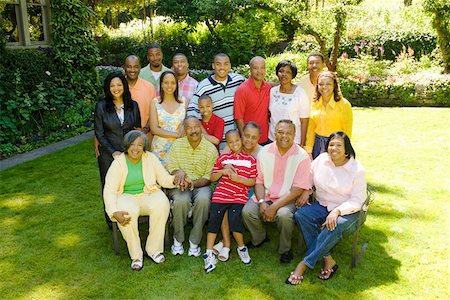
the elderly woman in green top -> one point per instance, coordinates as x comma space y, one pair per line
131, 190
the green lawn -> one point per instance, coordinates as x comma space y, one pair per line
54, 243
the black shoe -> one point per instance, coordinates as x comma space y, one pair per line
286, 257
250, 244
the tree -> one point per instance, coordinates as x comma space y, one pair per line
236, 27
326, 25
74, 48
113, 12
210, 12
440, 10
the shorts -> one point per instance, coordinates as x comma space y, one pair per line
217, 211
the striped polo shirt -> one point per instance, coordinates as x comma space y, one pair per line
197, 163
229, 191
279, 173
222, 97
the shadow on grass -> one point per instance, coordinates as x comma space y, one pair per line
55, 244
379, 189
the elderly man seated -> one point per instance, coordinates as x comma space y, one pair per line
191, 160
283, 174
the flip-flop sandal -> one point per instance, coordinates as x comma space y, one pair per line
224, 254
158, 258
294, 279
330, 273
137, 265
217, 248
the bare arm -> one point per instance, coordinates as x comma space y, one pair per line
243, 180
240, 124
209, 137
201, 182
259, 191
304, 129
215, 175
294, 193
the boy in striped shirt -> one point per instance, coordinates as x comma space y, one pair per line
237, 173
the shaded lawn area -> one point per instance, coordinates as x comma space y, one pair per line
55, 244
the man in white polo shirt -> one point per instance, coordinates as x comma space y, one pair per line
308, 82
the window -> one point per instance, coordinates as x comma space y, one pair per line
26, 22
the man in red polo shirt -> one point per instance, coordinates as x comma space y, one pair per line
251, 101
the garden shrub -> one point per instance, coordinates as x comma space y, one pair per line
256, 36
369, 67
397, 92
249, 35
74, 47
366, 66
389, 44
33, 103
173, 37
48, 94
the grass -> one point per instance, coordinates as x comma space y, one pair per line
54, 243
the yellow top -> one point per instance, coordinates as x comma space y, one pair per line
336, 116
153, 173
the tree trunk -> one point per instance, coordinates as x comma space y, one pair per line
340, 17
211, 27
443, 39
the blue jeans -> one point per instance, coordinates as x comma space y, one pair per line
319, 242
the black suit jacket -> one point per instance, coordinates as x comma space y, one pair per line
107, 126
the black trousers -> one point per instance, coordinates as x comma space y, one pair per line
104, 162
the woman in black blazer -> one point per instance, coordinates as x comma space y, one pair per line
115, 115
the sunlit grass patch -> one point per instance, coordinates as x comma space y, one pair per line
55, 244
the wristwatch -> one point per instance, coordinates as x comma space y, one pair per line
260, 201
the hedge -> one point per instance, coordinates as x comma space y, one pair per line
383, 93
48, 94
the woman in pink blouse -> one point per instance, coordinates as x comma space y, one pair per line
341, 186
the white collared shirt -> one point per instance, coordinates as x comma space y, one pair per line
343, 187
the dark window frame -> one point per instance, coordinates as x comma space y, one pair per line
23, 24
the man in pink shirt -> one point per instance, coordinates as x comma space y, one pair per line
251, 101
283, 174
186, 84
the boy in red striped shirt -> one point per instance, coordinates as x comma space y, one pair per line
237, 173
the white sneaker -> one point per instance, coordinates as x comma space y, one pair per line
217, 248
244, 256
194, 251
177, 250
210, 262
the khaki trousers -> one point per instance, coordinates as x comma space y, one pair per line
255, 224
156, 206
200, 199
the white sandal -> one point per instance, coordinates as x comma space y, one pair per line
137, 265
217, 248
158, 258
224, 254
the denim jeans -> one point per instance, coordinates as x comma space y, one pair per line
319, 242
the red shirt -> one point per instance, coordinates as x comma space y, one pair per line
214, 127
252, 104
228, 191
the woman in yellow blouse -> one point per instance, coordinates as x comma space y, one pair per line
330, 112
